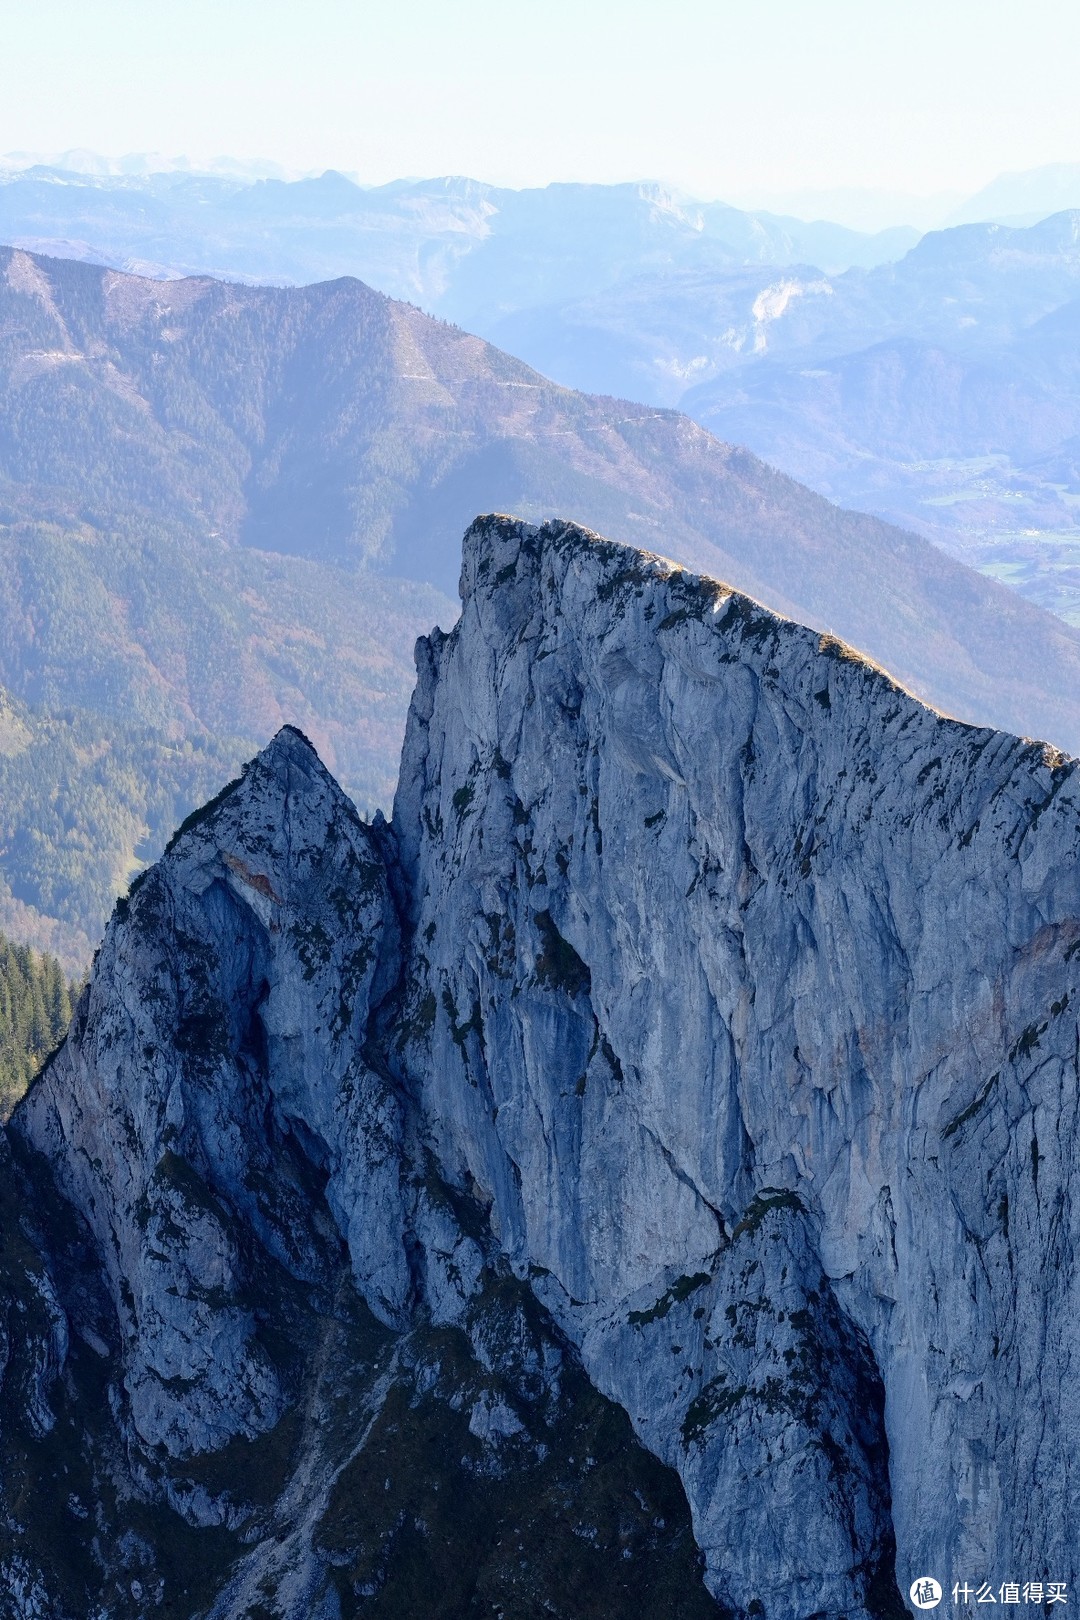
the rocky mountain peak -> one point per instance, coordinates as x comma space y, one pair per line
291, 746
695, 1051
205, 1082
872, 900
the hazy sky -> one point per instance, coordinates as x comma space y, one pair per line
721, 97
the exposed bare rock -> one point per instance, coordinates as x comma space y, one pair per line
711, 914
694, 1058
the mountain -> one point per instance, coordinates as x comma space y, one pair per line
224, 508
933, 393
274, 1444
969, 289
1022, 197
899, 401
860, 208
958, 423
463, 249
642, 292
80, 161
84, 800
567, 242
940, 393
662, 1127
654, 337
973, 452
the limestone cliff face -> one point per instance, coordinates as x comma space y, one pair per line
217, 1059
699, 1043
753, 990
254, 1348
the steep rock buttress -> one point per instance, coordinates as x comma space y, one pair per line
751, 986
699, 1040
253, 1347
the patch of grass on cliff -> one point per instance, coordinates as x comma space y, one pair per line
759, 1206
203, 813
716, 1399
571, 1518
559, 966
463, 798
254, 1471
679, 1290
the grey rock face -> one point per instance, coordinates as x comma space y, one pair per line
700, 1038
709, 912
301, 1368
216, 1071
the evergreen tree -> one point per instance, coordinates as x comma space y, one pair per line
36, 1003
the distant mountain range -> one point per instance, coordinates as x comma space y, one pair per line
1022, 197
1017, 197
80, 160
941, 392
972, 289
891, 374
461, 248
225, 507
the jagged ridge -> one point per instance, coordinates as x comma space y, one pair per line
705, 1019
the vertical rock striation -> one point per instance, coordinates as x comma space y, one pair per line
262, 1350
700, 1040
752, 990
214, 1090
